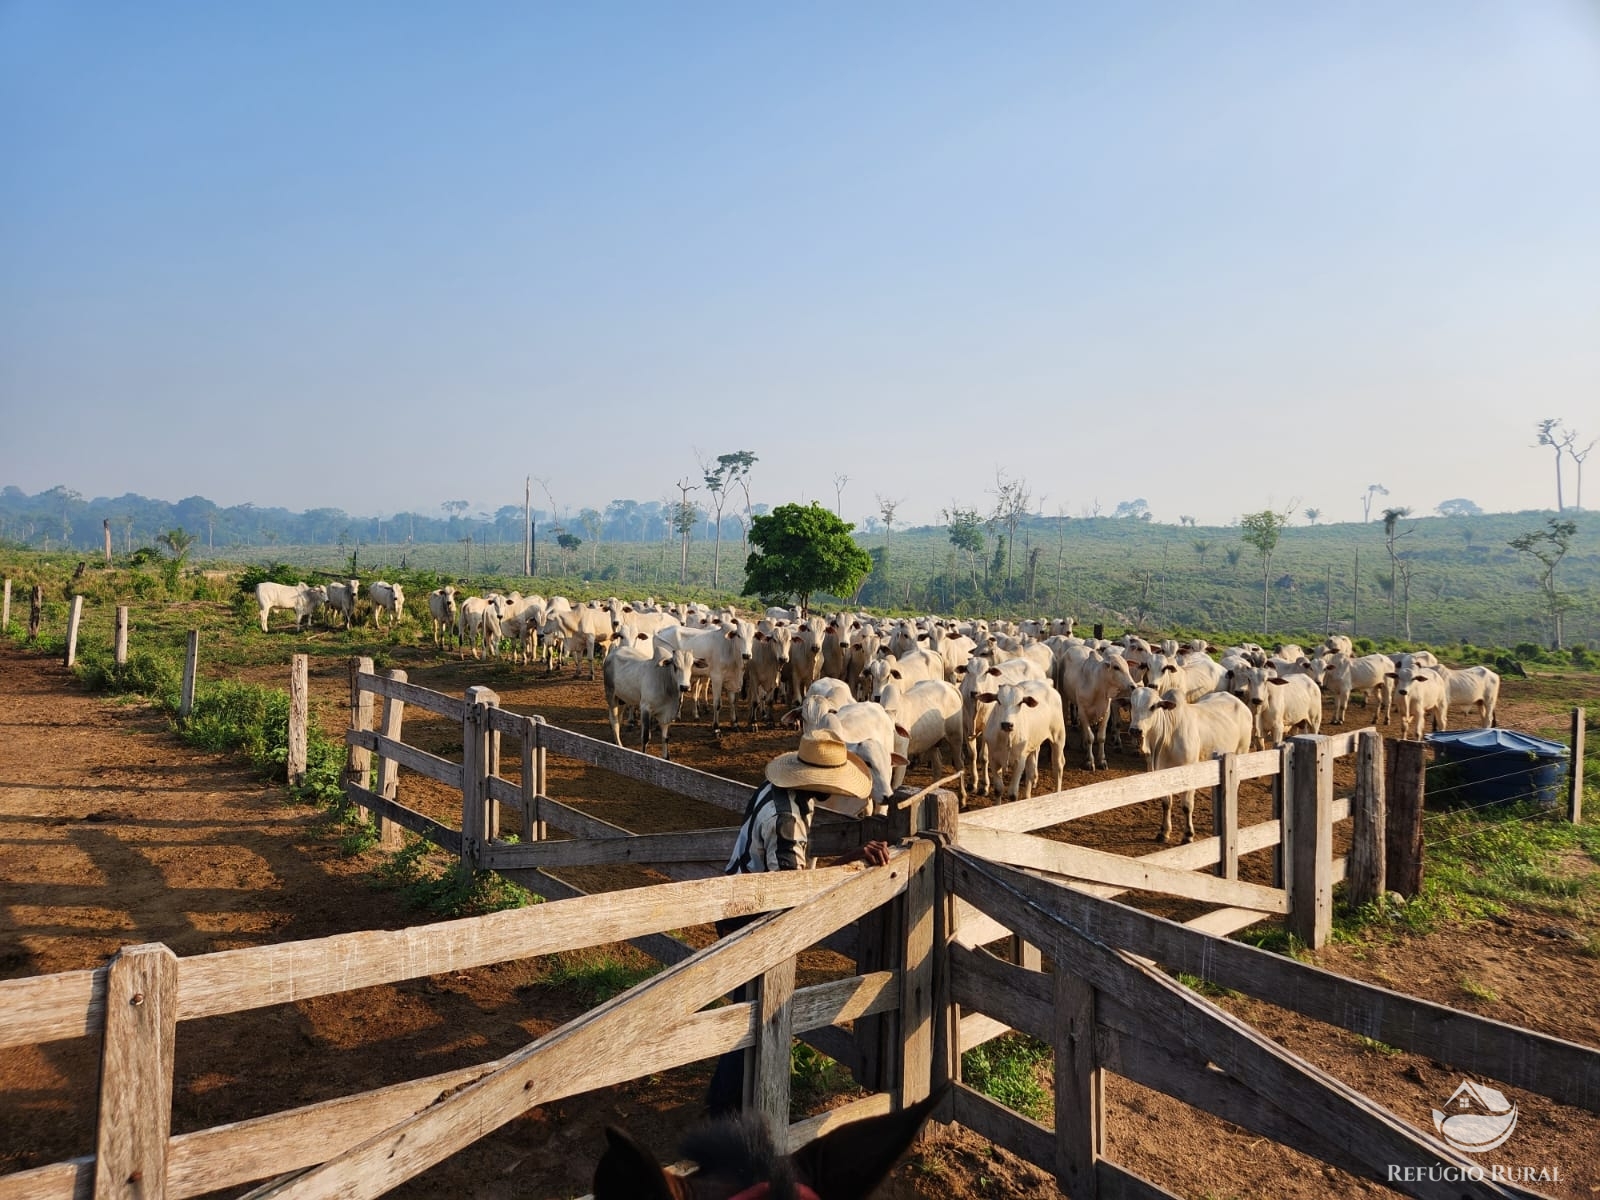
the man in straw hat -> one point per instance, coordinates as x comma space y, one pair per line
775, 835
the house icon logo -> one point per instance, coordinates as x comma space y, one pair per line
1476, 1118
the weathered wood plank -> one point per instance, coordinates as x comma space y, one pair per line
801, 1133
916, 995
119, 643
1022, 999
768, 1066
1575, 769
51, 1008
1098, 866
1310, 915
358, 759
394, 715
1052, 809
1562, 1070
599, 1040
420, 761
1176, 1071
671, 776
410, 693
695, 845
1225, 816
441, 836
72, 1179
237, 980
191, 673
1010, 1131
1403, 835
74, 617
1116, 1182
1352, 1122
299, 718
135, 1117
1079, 1088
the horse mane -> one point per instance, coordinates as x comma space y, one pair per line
740, 1152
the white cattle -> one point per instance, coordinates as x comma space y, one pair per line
955, 648
977, 677
1337, 643
914, 667
298, 598
1422, 691
826, 695
442, 608
1174, 733
342, 597
805, 656
1279, 704
724, 651
928, 714
769, 660
868, 732
1372, 675
652, 679
836, 645
478, 625
1091, 685
387, 598
1026, 715
583, 630
863, 649
1473, 687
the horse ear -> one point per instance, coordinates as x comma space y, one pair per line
627, 1171
850, 1162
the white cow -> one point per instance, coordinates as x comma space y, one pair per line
981, 676
928, 715
478, 625
1026, 715
386, 598
1422, 691
1372, 675
1473, 687
1174, 733
652, 679
1279, 704
298, 598
725, 651
583, 630
769, 661
1092, 685
912, 668
868, 732
342, 597
442, 609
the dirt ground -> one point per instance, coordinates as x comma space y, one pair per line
119, 834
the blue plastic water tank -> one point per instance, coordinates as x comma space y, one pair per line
1495, 766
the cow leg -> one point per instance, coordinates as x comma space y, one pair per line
1166, 820
644, 731
1188, 816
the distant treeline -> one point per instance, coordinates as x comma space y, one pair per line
62, 518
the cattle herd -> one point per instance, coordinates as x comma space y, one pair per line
989, 696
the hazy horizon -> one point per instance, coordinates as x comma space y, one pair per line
1219, 259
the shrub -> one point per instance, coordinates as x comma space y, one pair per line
273, 572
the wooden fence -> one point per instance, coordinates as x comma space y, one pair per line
923, 989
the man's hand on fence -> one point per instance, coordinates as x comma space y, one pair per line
875, 854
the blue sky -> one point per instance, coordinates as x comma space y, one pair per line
375, 256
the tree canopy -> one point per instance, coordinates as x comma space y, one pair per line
801, 549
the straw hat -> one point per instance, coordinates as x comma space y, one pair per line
822, 764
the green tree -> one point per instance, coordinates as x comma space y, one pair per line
801, 549
1549, 546
1202, 547
966, 535
178, 541
1262, 530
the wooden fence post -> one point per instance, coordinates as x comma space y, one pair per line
533, 829
73, 618
191, 668
299, 718
1366, 879
477, 754
135, 1117
767, 1063
1403, 834
1079, 1088
5, 610
946, 1065
1575, 770
1311, 840
1281, 786
1225, 816
358, 759
917, 983
119, 643
35, 612
394, 712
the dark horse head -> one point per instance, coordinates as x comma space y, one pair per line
736, 1160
